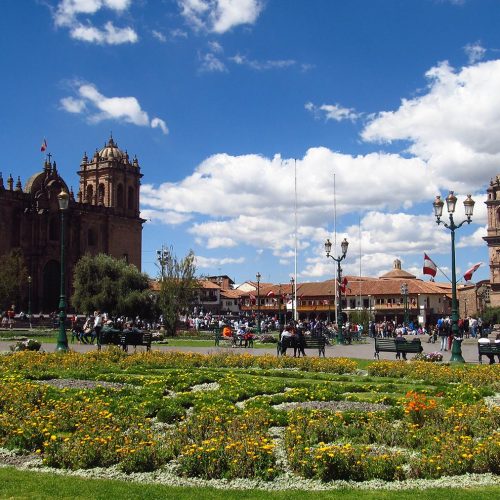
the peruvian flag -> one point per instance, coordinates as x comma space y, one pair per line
429, 266
471, 271
270, 294
253, 300
343, 285
43, 147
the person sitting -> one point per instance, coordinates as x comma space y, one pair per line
287, 338
399, 340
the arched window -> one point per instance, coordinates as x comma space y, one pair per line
119, 196
54, 229
130, 198
90, 193
100, 194
91, 237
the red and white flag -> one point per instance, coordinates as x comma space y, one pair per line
471, 271
270, 294
429, 266
43, 147
343, 285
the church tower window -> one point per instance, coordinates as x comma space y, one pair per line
119, 196
90, 194
130, 198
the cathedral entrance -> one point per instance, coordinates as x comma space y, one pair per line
51, 286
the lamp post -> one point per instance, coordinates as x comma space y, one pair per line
292, 283
62, 339
162, 257
451, 201
328, 248
29, 300
404, 293
280, 298
258, 276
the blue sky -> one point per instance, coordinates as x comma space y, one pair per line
220, 99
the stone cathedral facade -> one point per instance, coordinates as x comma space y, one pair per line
492, 239
102, 218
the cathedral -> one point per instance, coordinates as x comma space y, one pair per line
104, 218
492, 238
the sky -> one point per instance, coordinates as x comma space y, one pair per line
369, 107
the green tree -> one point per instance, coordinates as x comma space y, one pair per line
111, 285
14, 279
360, 317
491, 315
178, 286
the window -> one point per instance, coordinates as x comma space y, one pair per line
119, 196
100, 195
90, 194
130, 198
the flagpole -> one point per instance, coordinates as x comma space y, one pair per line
295, 263
335, 244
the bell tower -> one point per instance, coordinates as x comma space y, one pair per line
110, 180
109, 195
492, 238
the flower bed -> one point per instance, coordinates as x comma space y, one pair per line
212, 417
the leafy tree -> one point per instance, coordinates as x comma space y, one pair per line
178, 286
14, 278
360, 317
107, 284
491, 315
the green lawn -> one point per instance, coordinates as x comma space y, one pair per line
35, 485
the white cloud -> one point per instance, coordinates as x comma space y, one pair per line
475, 52
68, 12
72, 105
159, 123
454, 127
262, 65
332, 112
159, 36
100, 107
212, 262
211, 63
220, 16
452, 130
109, 35
161, 217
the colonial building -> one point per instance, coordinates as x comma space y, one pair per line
492, 239
104, 218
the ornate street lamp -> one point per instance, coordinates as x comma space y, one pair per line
29, 300
162, 257
404, 293
62, 339
258, 276
451, 201
292, 283
328, 248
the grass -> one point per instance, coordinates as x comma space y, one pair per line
35, 485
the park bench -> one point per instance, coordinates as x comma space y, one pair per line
316, 342
114, 336
390, 345
135, 337
234, 341
490, 350
108, 336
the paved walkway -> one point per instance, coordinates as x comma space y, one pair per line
362, 351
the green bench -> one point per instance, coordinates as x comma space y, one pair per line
309, 343
390, 345
114, 336
490, 350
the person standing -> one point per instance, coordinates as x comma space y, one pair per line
97, 327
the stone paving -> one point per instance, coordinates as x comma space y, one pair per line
356, 350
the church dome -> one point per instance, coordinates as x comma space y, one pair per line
111, 151
398, 273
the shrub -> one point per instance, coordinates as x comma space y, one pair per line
26, 345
